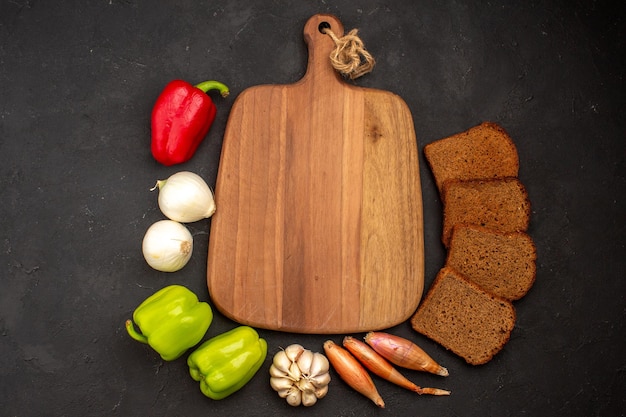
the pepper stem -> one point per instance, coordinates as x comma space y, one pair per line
213, 85
130, 328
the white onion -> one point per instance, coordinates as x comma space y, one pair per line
167, 246
185, 197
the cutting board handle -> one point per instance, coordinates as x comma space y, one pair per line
319, 68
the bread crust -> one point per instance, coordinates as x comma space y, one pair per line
501, 204
503, 263
464, 318
491, 260
483, 151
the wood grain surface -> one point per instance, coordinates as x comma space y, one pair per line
318, 227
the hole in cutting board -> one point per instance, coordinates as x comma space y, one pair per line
322, 26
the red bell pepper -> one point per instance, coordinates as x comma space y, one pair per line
181, 118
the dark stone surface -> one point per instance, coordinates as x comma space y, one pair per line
77, 83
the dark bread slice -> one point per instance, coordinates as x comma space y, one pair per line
464, 318
500, 204
501, 263
483, 151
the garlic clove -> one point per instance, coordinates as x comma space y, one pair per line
294, 372
283, 393
277, 373
320, 380
304, 362
294, 351
319, 364
305, 385
321, 391
279, 384
308, 399
281, 361
294, 398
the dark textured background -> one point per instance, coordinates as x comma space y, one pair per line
77, 83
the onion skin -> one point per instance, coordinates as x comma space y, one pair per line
403, 352
351, 371
167, 246
379, 366
185, 197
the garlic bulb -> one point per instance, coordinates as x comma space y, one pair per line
299, 375
185, 197
167, 246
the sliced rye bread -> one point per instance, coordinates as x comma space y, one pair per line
501, 204
501, 263
464, 318
483, 151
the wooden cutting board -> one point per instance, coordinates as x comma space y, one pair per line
318, 227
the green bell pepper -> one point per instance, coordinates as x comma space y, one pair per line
171, 321
225, 363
